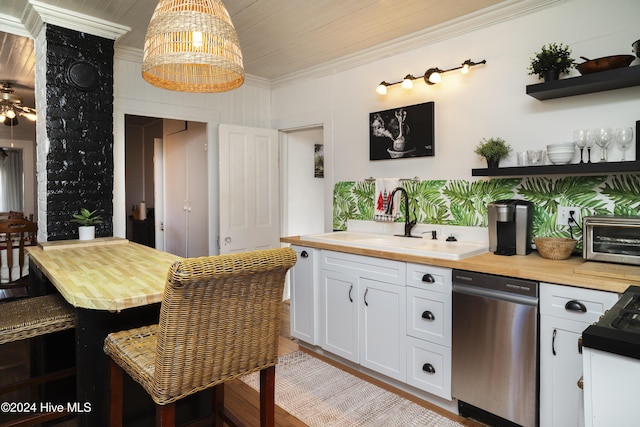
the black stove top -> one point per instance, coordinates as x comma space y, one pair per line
618, 330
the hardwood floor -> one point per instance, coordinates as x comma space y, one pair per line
242, 399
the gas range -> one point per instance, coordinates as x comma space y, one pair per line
618, 330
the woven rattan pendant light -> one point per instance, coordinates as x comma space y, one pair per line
192, 46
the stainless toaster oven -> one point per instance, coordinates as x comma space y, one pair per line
611, 239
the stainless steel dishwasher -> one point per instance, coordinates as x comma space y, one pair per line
495, 348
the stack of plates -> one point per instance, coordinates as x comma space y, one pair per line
561, 153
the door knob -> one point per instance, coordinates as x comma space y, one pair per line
227, 239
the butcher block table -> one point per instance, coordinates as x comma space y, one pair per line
114, 284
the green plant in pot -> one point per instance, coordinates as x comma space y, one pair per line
552, 60
87, 220
493, 150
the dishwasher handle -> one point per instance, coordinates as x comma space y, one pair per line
494, 294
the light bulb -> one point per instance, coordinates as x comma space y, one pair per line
465, 68
3, 117
30, 116
382, 88
435, 77
11, 114
407, 83
197, 39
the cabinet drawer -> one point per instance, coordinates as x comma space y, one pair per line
429, 367
557, 300
428, 277
429, 316
382, 270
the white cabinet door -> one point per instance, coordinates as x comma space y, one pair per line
304, 312
339, 305
561, 400
564, 313
383, 330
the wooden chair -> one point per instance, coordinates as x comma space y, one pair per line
15, 215
219, 319
15, 235
28, 318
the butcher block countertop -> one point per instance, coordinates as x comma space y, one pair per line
104, 274
573, 271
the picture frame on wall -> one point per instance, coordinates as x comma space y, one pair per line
403, 132
318, 160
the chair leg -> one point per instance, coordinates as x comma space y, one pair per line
267, 396
115, 394
218, 405
166, 415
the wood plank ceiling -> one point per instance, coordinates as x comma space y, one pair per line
278, 37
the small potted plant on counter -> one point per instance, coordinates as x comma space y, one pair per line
493, 149
87, 220
552, 60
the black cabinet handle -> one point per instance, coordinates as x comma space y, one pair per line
553, 342
428, 315
428, 367
365, 297
304, 254
350, 289
428, 278
574, 305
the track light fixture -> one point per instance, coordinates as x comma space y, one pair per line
431, 76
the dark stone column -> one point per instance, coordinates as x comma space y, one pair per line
79, 124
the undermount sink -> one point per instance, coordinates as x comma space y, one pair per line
400, 244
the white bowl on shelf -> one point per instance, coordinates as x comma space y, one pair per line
560, 158
560, 145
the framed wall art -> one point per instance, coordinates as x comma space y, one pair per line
402, 132
318, 160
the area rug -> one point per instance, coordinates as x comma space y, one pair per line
322, 395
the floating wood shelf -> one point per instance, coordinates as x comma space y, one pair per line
570, 169
589, 83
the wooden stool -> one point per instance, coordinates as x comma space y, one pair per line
33, 317
219, 320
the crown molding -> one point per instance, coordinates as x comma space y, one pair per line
484, 18
13, 25
36, 14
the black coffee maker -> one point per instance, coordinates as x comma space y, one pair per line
510, 226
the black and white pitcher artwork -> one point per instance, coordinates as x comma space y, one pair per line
402, 132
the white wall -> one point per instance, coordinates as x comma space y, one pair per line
304, 193
489, 101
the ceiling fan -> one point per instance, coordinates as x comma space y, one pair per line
11, 106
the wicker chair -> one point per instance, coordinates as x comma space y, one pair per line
219, 319
33, 317
16, 234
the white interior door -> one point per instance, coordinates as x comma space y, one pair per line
185, 198
249, 189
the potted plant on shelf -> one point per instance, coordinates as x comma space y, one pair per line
493, 149
552, 60
87, 220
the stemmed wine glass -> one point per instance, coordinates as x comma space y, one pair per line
603, 136
580, 138
590, 139
623, 137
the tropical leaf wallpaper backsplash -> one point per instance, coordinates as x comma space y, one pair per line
460, 202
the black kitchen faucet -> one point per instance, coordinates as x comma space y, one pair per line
408, 225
